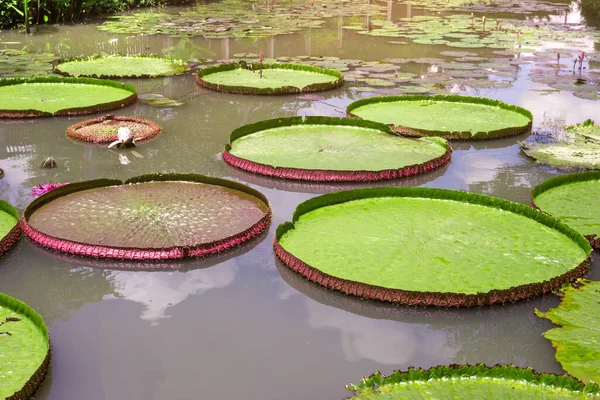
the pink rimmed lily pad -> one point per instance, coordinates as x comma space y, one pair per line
153, 217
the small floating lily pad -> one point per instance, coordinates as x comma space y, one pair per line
471, 382
449, 116
577, 340
119, 66
24, 349
421, 246
159, 101
52, 96
10, 230
105, 128
326, 149
577, 147
151, 217
245, 78
575, 200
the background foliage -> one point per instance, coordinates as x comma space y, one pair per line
59, 11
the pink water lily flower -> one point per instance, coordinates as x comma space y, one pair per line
43, 188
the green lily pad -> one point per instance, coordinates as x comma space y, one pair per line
147, 218
448, 116
577, 340
10, 230
471, 382
48, 96
24, 349
118, 66
331, 149
578, 147
268, 78
421, 246
574, 199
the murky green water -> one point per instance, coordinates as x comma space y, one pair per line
241, 325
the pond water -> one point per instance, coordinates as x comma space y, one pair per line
240, 324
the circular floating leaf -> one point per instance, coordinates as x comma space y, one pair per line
472, 382
245, 78
105, 128
577, 341
118, 66
24, 349
421, 246
449, 116
152, 217
574, 199
48, 96
325, 149
10, 230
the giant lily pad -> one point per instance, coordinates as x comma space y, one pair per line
577, 341
574, 199
449, 116
577, 147
276, 78
329, 149
152, 217
421, 246
24, 349
10, 230
471, 382
105, 129
118, 66
48, 96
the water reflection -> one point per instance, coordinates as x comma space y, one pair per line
489, 334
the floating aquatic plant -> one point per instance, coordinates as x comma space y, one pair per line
10, 229
578, 146
272, 78
577, 340
239, 18
448, 116
104, 129
421, 246
57, 96
151, 217
121, 66
575, 200
24, 349
24, 64
471, 382
325, 149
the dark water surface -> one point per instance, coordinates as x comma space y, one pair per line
240, 325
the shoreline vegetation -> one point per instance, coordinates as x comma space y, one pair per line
26, 13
